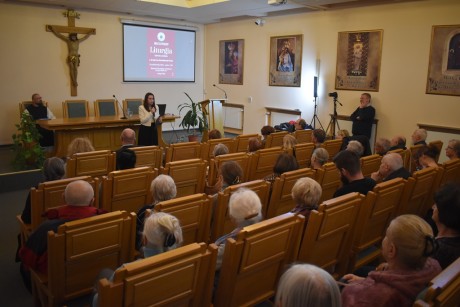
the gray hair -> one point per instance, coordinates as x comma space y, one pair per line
162, 231
356, 147
421, 133
456, 146
321, 155
306, 192
163, 188
79, 193
245, 207
384, 144
307, 285
393, 160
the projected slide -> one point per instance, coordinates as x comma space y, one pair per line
158, 54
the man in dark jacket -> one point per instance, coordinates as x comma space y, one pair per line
363, 117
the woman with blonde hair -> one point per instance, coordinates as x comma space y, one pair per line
289, 142
406, 247
79, 145
306, 193
162, 232
307, 285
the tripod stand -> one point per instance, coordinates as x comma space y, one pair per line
334, 121
315, 117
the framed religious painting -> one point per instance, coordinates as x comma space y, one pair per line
444, 65
359, 57
231, 61
285, 60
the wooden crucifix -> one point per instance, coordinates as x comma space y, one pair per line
73, 42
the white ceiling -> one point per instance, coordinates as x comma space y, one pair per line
224, 11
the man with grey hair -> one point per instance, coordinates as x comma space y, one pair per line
453, 149
382, 146
391, 167
356, 147
163, 188
398, 142
419, 137
79, 197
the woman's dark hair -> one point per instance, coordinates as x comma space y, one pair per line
146, 104
214, 134
231, 172
285, 163
447, 199
53, 169
267, 130
429, 151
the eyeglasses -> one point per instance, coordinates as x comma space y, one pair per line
448, 147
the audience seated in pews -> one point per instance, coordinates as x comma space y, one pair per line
419, 137
341, 134
318, 158
318, 137
427, 156
125, 157
284, 163
453, 149
254, 144
382, 146
162, 232
306, 193
79, 145
79, 197
391, 167
398, 142
355, 147
349, 167
307, 285
245, 209
162, 188
406, 248
301, 124
446, 215
53, 169
214, 134
220, 149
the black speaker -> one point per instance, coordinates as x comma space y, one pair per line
315, 87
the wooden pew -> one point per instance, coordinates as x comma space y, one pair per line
183, 151
94, 163
189, 175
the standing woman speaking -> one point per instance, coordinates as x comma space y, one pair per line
147, 131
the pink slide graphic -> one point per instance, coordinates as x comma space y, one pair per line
161, 53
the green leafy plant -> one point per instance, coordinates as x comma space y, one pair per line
29, 154
193, 117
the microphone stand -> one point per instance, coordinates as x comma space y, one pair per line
121, 107
225, 93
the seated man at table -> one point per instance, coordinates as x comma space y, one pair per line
349, 166
39, 111
126, 158
391, 167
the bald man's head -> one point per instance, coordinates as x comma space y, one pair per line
128, 137
79, 193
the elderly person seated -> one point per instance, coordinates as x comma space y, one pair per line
382, 146
356, 147
446, 215
307, 285
419, 137
318, 137
398, 142
244, 209
254, 144
391, 167
426, 156
319, 157
453, 149
406, 248
306, 194
284, 163
220, 149
162, 188
162, 232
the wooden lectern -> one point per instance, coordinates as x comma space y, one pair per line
212, 109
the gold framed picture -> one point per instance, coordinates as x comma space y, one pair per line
231, 61
444, 65
359, 55
285, 60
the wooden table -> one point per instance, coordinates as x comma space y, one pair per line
103, 132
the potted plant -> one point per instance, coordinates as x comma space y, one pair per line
29, 154
193, 117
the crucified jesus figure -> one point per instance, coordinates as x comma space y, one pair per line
73, 59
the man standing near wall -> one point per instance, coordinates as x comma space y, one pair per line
363, 117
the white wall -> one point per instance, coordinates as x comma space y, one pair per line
33, 60
401, 102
